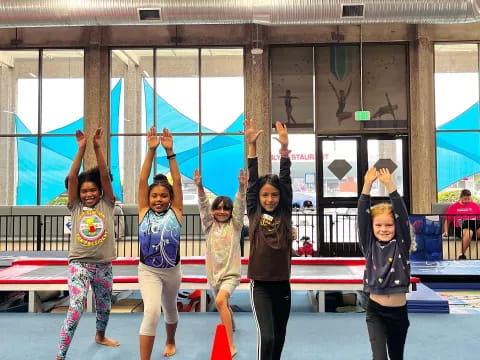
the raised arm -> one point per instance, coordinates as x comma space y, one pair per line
252, 188
369, 179
398, 205
177, 203
75, 168
333, 88
105, 179
239, 203
349, 88
363, 211
285, 163
152, 142
251, 136
203, 203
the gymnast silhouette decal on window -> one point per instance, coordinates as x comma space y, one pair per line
342, 96
288, 105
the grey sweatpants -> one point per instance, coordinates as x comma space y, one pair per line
159, 289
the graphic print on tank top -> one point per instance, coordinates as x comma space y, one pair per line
159, 239
91, 228
269, 225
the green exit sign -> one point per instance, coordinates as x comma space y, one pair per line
362, 115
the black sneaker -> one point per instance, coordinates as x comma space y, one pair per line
462, 257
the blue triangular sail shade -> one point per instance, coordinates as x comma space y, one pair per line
218, 151
58, 152
458, 153
114, 129
26, 191
467, 120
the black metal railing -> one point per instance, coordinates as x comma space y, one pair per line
462, 236
52, 233
339, 237
56, 234
20, 232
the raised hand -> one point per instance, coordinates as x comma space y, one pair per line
386, 179
371, 175
242, 178
166, 139
282, 134
384, 176
152, 139
97, 138
251, 134
197, 178
81, 138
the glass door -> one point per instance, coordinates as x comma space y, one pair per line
343, 161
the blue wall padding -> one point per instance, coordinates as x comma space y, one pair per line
428, 238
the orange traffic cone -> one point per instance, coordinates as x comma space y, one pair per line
221, 348
195, 294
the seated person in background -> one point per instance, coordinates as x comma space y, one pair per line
463, 215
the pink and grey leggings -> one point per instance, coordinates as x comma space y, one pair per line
80, 277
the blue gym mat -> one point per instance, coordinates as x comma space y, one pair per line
425, 300
448, 274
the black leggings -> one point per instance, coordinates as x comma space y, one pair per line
271, 309
387, 328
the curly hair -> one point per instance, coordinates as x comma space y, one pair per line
91, 175
161, 179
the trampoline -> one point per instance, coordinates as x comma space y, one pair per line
315, 275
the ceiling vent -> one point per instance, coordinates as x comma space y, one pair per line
149, 14
352, 10
28, 13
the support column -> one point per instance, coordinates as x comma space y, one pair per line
422, 127
132, 124
97, 94
7, 126
257, 104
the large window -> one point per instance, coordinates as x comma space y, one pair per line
198, 94
41, 106
318, 89
457, 119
